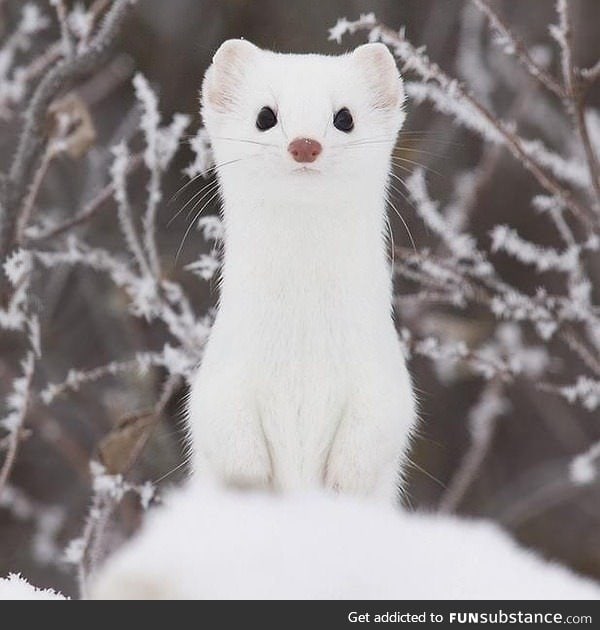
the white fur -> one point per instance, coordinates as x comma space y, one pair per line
216, 545
303, 381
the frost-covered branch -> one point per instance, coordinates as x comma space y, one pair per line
88, 550
39, 246
33, 139
36, 235
563, 34
512, 45
482, 421
13, 422
459, 310
583, 469
452, 97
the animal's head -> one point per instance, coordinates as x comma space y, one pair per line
302, 117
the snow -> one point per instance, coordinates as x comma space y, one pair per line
586, 390
80, 21
15, 587
203, 161
582, 470
75, 551
506, 239
17, 266
344, 26
205, 267
461, 245
13, 79
161, 143
210, 543
488, 408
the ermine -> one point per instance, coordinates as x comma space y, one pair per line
303, 382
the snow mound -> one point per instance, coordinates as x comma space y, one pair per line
16, 587
215, 544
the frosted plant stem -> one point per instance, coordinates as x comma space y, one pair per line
18, 420
90, 209
33, 140
483, 419
574, 98
519, 49
417, 60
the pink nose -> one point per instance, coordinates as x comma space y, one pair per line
304, 149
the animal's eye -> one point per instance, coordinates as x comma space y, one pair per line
266, 119
343, 120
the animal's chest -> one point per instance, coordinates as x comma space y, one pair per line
302, 375
303, 356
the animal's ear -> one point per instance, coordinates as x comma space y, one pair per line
380, 70
223, 77
233, 54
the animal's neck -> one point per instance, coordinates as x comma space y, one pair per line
313, 248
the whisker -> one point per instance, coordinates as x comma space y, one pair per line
208, 192
204, 175
376, 140
402, 182
185, 462
420, 132
386, 139
428, 474
427, 135
188, 183
191, 212
402, 167
246, 141
193, 222
393, 247
403, 221
211, 186
406, 199
395, 150
413, 150
419, 164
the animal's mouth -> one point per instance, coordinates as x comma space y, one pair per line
306, 169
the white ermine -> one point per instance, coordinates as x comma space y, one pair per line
303, 382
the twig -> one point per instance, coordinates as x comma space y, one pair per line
16, 432
429, 71
91, 208
33, 137
483, 419
574, 94
119, 180
581, 349
540, 500
65, 32
106, 499
519, 49
9, 460
55, 51
591, 74
34, 189
76, 378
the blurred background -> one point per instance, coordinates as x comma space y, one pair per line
520, 479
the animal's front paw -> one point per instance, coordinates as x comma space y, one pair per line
228, 440
350, 472
239, 460
250, 470
363, 477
